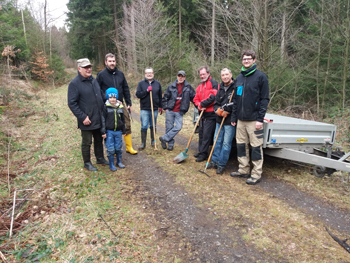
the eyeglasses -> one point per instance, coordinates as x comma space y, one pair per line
246, 59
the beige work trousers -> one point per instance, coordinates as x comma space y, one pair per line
247, 134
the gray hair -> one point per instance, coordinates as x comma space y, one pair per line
225, 69
149, 68
204, 67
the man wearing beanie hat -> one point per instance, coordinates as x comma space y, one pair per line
176, 102
85, 102
113, 128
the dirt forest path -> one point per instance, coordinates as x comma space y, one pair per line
158, 211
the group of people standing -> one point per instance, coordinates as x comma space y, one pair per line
103, 106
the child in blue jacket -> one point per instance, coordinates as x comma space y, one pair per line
113, 127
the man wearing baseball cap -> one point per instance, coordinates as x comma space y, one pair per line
85, 102
176, 102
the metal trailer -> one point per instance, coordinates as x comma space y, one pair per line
302, 141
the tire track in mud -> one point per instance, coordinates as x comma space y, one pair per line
327, 213
208, 241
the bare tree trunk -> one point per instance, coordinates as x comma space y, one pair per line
346, 55
283, 37
45, 26
264, 54
327, 74
24, 28
319, 61
180, 22
117, 41
127, 39
256, 25
133, 39
213, 35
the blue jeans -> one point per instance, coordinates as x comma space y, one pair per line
171, 130
146, 119
114, 142
223, 145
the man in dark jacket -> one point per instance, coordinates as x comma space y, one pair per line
113, 77
251, 99
143, 93
176, 102
85, 101
223, 109
204, 101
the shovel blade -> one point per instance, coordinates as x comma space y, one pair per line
182, 156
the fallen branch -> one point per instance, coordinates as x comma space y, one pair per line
340, 242
108, 226
2, 257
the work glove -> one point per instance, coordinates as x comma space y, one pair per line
160, 110
225, 113
219, 112
149, 88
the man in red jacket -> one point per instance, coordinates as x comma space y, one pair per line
204, 101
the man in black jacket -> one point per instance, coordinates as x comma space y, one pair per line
251, 99
85, 101
143, 93
113, 77
223, 108
176, 102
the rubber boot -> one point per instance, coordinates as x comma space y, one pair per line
128, 144
152, 136
119, 161
143, 140
111, 163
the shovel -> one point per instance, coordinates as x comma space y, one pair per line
183, 155
154, 124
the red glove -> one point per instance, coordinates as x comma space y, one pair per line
224, 114
160, 110
219, 112
149, 88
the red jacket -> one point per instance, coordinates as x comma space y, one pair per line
205, 94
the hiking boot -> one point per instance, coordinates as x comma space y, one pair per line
163, 143
212, 165
196, 155
220, 170
253, 181
238, 174
88, 166
201, 158
102, 161
170, 148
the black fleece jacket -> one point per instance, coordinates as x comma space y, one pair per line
251, 97
114, 78
143, 95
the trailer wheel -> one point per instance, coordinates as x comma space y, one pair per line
319, 171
